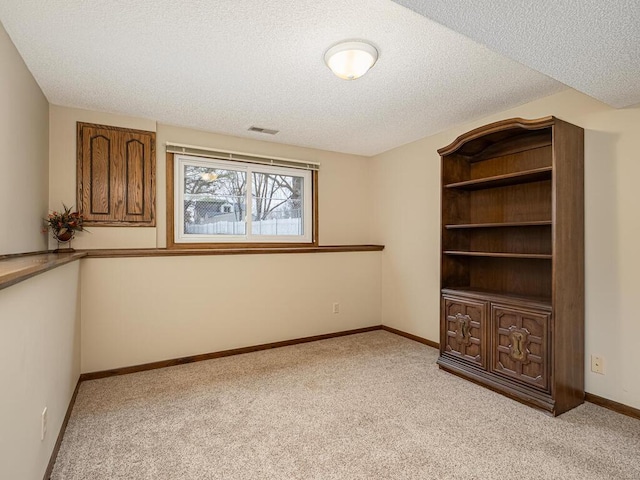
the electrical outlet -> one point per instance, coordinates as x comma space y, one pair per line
597, 364
336, 308
43, 423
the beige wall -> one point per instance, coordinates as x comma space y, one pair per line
23, 164
39, 367
410, 176
343, 189
139, 310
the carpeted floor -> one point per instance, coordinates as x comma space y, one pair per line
367, 406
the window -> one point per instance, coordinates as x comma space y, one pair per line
219, 201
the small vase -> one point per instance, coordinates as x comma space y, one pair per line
63, 238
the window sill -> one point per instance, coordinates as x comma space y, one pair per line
164, 252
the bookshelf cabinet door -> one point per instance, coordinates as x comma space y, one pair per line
520, 344
464, 329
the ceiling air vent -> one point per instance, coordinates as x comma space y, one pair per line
266, 131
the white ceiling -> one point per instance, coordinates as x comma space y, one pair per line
226, 65
590, 45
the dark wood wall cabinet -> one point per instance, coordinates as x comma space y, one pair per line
512, 263
116, 175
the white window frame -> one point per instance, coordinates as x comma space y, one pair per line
180, 161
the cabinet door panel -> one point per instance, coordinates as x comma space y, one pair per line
99, 168
520, 344
464, 329
116, 175
134, 177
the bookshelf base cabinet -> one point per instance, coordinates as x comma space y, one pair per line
497, 341
512, 261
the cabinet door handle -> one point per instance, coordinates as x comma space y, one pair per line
464, 327
519, 340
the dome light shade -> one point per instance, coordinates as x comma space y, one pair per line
351, 60
209, 176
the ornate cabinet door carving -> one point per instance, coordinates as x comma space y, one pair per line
116, 175
464, 327
520, 339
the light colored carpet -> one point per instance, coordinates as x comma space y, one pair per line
367, 406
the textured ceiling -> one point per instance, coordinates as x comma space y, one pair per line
226, 65
590, 45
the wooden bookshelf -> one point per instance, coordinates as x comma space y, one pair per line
512, 264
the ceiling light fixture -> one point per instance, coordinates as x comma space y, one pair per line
209, 176
351, 60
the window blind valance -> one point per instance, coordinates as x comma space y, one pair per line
240, 157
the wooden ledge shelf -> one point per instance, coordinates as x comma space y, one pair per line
163, 252
16, 268
540, 223
517, 178
537, 256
